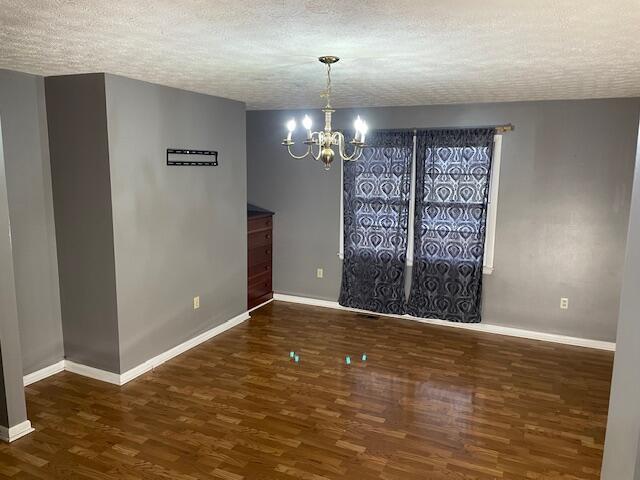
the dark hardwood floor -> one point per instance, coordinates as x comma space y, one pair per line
429, 403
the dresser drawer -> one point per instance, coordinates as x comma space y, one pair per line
259, 269
260, 239
260, 255
260, 223
260, 286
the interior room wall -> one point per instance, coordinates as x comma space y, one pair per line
76, 111
179, 232
138, 239
23, 116
4, 411
622, 448
12, 403
563, 208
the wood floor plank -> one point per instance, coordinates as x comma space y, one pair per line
429, 403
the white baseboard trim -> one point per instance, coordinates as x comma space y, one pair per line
479, 327
91, 372
43, 373
183, 347
14, 433
261, 305
121, 379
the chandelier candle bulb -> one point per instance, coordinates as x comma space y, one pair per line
291, 126
306, 122
358, 127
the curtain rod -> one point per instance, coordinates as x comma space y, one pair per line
508, 127
498, 128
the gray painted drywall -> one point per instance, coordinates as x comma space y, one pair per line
179, 232
637, 473
77, 121
563, 207
12, 404
4, 410
621, 450
26, 147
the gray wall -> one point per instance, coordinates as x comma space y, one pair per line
12, 404
562, 213
179, 232
137, 239
76, 112
621, 452
4, 410
22, 110
637, 471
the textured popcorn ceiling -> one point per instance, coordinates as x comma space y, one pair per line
399, 52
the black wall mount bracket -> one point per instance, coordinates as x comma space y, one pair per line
192, 158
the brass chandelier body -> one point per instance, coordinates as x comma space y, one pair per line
320, 144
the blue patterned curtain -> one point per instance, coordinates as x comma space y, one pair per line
376, 212
452, 179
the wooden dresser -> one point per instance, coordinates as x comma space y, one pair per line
260, 254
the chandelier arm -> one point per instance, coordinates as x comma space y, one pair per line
356, 155
299, 157
338, 138
357, 152
313, 155
318, 142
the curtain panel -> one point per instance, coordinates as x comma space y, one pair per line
376, 214
452, 181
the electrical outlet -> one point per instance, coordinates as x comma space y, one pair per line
196, 303
319, 273
564, 303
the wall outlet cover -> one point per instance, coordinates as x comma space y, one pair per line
319, 273
564, 303
196, 303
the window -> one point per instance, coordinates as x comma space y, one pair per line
491, 208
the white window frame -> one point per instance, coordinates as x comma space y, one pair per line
492, 208
341, 232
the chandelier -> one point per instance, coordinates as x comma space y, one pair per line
320, 145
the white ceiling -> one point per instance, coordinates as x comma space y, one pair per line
400, 52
